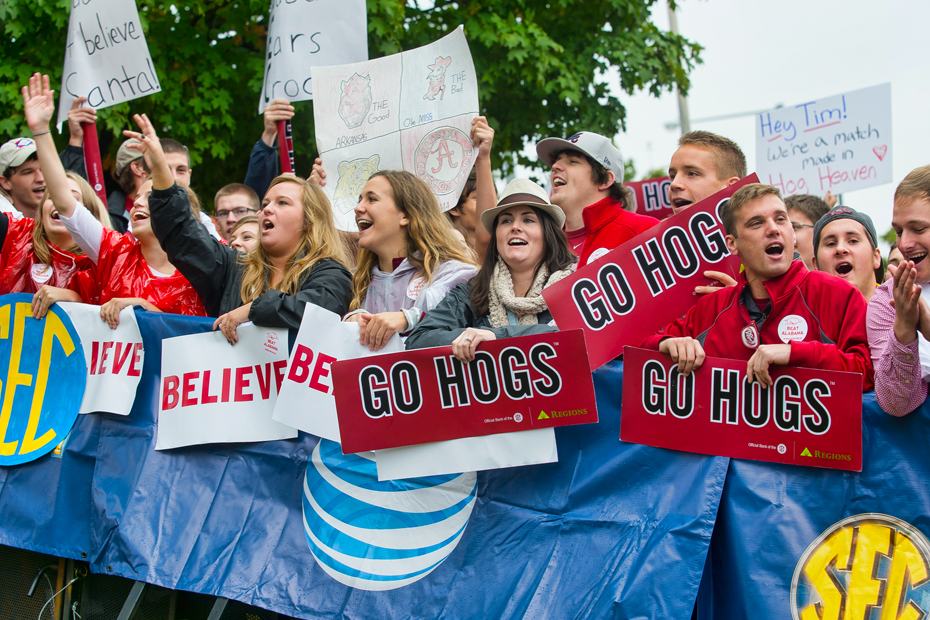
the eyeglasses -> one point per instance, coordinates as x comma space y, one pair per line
798, 226
238, 212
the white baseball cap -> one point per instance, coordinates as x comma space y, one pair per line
15, 153
594, 145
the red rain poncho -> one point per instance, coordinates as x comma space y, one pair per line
20, 271
122, 272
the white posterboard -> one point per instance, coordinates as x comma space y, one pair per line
212, 391
409, 111
468, 454
114, 358
106, 58
834, 144
304, 34
306, 401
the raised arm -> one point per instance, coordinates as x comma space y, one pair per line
482, 137
151, 150
39, 105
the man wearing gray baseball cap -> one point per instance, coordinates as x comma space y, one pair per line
20, 175
587, 183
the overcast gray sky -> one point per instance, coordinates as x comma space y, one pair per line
759, 53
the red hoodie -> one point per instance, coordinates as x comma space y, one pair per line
821, 316
608, 225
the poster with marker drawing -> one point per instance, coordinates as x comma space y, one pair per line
106, 57
409, 111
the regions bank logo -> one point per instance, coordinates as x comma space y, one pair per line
866, 566
375, 535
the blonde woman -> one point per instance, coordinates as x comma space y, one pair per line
299, 259
408, 257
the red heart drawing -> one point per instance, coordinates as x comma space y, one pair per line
880, 152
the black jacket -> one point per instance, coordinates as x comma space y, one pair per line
454, 315
215, 270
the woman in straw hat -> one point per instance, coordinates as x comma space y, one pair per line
527, 252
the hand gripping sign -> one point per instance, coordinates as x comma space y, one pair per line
646, 283
808, 417
306, 400
42, 377
214, 392
513, 384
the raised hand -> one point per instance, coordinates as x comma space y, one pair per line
277, 110
39, 103
151, 150
482, 136
77, 115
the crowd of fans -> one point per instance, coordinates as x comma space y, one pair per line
813, 290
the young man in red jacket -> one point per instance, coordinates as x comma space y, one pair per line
779, 312
587, 183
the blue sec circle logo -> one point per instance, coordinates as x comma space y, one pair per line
865, 566
42, 379
375, 535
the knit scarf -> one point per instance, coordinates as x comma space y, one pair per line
502, 298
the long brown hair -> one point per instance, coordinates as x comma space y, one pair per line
319, 240
430, 240
89, 199
557, 256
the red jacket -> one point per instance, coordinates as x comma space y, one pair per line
607, 226
20, 271
821, 316
122, 272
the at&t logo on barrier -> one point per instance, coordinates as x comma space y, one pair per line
375, 535
42, 379
869, 566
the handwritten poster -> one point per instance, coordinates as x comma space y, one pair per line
106, 58
302, 35
834, 144
409, 111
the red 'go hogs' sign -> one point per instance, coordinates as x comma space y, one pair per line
427, 395
808, 417
646, 283
650, 197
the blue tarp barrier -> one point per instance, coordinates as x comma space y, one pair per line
611, 530
770, 515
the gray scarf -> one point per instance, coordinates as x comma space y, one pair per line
502, 298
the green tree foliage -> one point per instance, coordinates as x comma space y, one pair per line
542, 66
